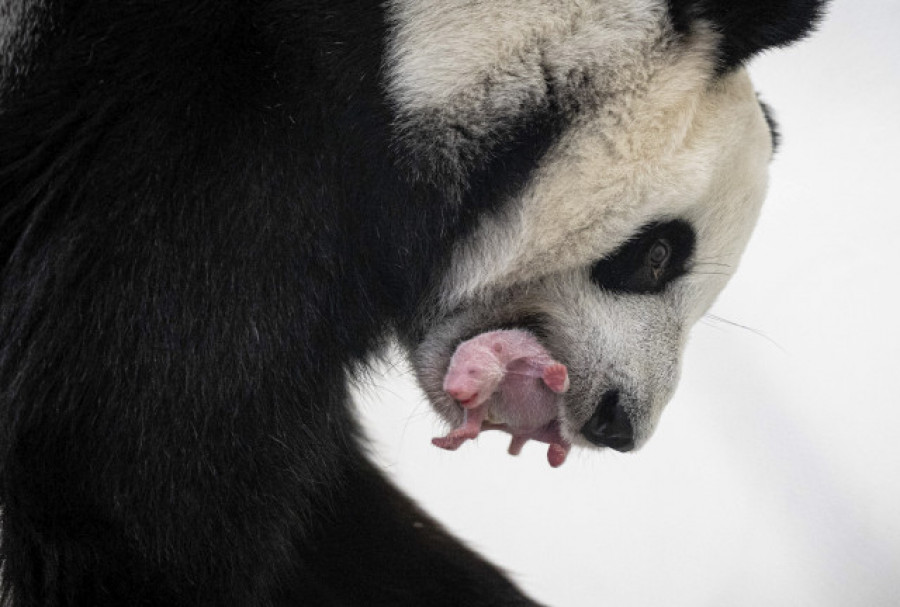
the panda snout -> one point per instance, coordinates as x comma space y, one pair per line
609, 426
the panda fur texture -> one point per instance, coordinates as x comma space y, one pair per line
214, 213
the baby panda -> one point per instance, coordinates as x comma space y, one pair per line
215, 213
506, 380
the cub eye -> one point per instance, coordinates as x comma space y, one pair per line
656, 255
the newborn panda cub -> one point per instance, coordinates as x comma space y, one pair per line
506, 380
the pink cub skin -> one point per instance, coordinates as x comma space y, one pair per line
505, 380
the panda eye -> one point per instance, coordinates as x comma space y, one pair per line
659, 253
652, 258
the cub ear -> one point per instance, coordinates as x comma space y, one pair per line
748, 26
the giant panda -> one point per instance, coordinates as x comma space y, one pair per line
214, 213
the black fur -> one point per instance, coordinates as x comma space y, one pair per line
748, 27
206, 225
188, 277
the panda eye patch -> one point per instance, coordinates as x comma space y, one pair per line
657, 254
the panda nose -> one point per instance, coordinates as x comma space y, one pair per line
609, 426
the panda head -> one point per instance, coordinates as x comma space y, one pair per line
632, 152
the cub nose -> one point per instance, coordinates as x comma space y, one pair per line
609, 426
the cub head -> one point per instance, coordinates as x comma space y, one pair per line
625, 151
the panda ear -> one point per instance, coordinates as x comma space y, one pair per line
748, 26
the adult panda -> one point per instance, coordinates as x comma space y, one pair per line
212, 213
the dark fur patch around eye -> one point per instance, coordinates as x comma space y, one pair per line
629, 268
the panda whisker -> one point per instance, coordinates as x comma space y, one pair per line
757, 332
712, 263
712, 259
711, 273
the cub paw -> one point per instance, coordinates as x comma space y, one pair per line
556, 377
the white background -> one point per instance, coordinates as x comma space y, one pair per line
774, 477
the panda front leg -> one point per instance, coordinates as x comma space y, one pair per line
380, 548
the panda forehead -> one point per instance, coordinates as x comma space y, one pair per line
462, 76
453, 54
